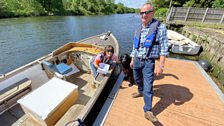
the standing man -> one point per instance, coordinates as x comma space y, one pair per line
150, 43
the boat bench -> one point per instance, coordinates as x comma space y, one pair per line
61, 70
10, 93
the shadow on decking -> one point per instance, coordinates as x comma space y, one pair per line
165, 74
169, 94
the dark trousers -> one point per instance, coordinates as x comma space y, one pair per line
143, 71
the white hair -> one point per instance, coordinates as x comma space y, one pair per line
148, 3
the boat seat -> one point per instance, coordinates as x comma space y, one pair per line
61, 70
10, 93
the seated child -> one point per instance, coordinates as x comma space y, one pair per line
106, 57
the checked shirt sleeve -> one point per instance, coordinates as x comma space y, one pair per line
163, 40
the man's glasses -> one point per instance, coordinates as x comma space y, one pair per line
146, 12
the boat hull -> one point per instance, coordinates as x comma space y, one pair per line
74, 53
180, 44
187, 50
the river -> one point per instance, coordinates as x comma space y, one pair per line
23, 40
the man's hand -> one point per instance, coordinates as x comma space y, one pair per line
132, 63
158, 71
160, 67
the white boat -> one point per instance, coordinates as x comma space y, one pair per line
56, 89
181, 45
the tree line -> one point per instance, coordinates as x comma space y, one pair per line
16, 8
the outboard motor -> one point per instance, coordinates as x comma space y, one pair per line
205, 65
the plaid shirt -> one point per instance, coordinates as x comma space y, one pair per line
157, 50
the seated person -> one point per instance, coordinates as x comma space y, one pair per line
106, 57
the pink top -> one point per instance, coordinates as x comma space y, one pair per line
98, 59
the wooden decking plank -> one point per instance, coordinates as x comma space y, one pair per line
183, 96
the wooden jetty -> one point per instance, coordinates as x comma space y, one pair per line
183, 96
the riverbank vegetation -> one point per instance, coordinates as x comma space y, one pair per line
17, 8
162, 6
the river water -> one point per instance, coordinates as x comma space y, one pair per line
23, 40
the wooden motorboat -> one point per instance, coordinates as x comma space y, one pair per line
56, 89
180, 44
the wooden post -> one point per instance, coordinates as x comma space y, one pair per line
169, 16
189, 8
203, 19
222, 19
170, 4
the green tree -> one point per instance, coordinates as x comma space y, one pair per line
120, 8
165, 3
218, 4
160, 3
13, 8
57, 6
4, 9
199, 3
10, 8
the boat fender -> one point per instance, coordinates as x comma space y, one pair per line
205, 65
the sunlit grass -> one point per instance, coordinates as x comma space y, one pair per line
197, 24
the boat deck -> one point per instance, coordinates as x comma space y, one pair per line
183, 96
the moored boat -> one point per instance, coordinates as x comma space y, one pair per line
181, 45
64, 74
